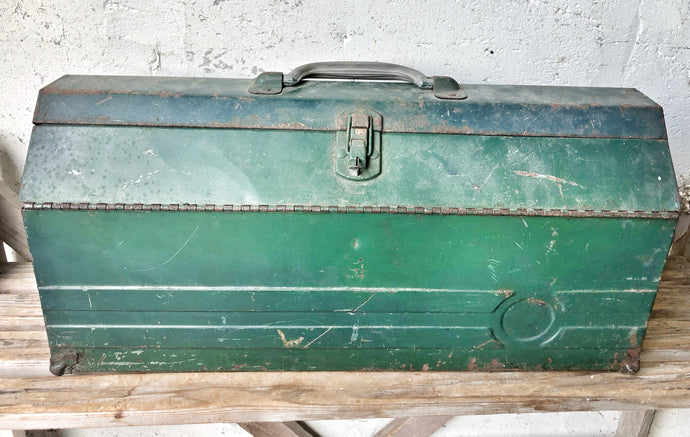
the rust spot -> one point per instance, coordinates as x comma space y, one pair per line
167, 94
119, 415
425, 367
238, 366
64, 362
485, 343
473, 365
494, 365
631, 363
445, 129
633, 338
87, 91
70, 92
420, 121
101, 360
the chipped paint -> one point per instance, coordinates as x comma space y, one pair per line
220, 58
638, 44
355, 334
289, 343
547, 177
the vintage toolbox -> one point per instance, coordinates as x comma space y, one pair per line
397, 222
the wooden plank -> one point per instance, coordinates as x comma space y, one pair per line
22, 323
413, 426
635, 423
12, 229
17, 278
31, 398
276, 429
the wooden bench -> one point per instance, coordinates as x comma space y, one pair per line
32, 398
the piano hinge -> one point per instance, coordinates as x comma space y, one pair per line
438, 210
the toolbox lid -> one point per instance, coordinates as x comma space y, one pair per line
282, 144
321, 105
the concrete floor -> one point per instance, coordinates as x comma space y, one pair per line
667, 423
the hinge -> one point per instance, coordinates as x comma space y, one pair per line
435, 210
358, 147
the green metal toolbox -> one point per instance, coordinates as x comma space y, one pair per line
397, 222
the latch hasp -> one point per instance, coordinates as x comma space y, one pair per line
358, 146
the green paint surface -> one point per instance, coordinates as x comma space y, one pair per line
284, 287
189, 291
254, 167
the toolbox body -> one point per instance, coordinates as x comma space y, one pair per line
227, 224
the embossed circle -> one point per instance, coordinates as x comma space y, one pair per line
527, 319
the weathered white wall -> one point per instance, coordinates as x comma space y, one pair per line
633, 43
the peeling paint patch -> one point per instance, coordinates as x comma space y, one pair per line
547, 177
290, 343
355, 334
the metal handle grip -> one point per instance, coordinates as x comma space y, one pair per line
273, 82
357, 70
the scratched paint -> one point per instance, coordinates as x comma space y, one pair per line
593, 43
467, 261
258, 167
462, 315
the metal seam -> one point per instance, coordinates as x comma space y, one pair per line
46, 122
437, 210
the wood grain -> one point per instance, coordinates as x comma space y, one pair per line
275, 429
413, 426
635, 423
31, 398
12, 229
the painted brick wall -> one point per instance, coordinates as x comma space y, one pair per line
633, 43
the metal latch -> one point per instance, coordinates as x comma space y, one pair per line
358, 154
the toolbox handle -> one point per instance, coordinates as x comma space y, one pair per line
357, 70
272, 83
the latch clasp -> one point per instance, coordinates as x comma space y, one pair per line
358, 155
